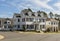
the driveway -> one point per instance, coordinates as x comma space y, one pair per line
14, 36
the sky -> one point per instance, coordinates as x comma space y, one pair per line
9, 7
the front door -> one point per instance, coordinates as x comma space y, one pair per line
36, 27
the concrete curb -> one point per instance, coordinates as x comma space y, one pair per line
36, 33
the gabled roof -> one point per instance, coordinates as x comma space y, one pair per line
42, 12
27, 10
17, 15
51, 19
5, 19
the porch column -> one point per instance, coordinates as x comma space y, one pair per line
52, 29
58, 28
55, 29
39, 28
7, 27
25, 27
34, 27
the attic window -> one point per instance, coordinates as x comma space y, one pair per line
33, 15
18, 16
7, 19
5, 22
39, 15
26, 14
0, 22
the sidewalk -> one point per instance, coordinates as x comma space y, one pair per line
28, 32
39, 33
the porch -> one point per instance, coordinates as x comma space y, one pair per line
33, 27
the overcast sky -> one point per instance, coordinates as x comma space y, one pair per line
9, 7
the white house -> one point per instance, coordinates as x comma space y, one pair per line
28, 20
6, 23
52, 25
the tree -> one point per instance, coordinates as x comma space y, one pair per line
56, 15
29, 9
51, 15
45, 14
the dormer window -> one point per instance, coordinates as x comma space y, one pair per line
26, 14
0, 22
5, 22
18, 20
33, 15
18, 16
39, 15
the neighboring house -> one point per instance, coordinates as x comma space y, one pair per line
52, 25
1, 23
17, 22
6, 23
28, 20
57, 16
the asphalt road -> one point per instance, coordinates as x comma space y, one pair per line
14, 36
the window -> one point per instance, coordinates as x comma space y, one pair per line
26, 14
42, 26
32, 26
27, 19
31, 19
9, 22
51, 23
39, 20
33, 15
54, 23
18, 26
5, 22
36, 19
23, 26
14, 25
18, 20
23, 19
43, 20
9, 27
28, 27
39, 15
0, 22
18, 16
5, 26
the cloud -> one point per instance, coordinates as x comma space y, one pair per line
6, 15
43, 4
45, 1
31, 4
57, 6
2, 0
34, 5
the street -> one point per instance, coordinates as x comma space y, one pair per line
14, 36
